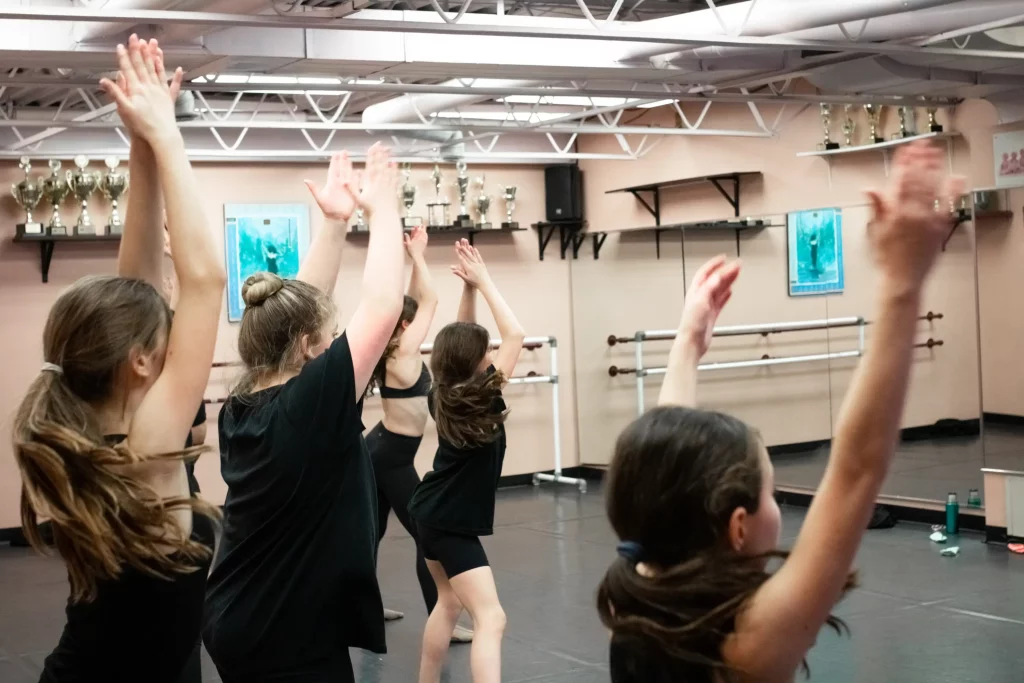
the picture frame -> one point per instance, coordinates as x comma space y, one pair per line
815, 252
262, 237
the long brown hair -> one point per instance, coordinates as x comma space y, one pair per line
380, 372
102, 518
463, 397
278, 315
675, 479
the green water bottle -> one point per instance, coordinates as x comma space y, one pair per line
952, 515
974, 498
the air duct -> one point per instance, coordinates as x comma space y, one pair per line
766, 17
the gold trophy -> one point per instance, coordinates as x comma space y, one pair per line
483, 204
114, 185
826, 124
462, 185
437, 210
409, 198
55, 191
83, 183
849, 127
933, 125
28, 193
874, 112
509, 195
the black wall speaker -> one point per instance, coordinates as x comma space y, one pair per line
563, 193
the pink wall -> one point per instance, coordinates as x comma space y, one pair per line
538, 292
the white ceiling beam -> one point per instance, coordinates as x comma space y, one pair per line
86, 119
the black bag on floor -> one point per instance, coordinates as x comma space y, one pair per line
882, 518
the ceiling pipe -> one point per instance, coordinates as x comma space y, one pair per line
766, 17
922, 23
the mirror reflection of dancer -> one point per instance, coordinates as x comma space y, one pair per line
269, 256
690, 490
98, 438
454, 505
294, 584
813, 242
403, 380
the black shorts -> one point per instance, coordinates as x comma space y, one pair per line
457, 553
389, 450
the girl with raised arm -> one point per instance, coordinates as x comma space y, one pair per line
294, 584
690, 491
98, 438
403, 380
454, 505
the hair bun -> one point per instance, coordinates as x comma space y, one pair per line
259, 287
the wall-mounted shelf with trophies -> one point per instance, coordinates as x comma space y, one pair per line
469, 233
48, 242
885, 148
571, 234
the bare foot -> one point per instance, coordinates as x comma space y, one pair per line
461, 634
393, 615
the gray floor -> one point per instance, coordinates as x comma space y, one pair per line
918, 618
926, 469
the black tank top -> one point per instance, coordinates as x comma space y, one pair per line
420, 388
138, 628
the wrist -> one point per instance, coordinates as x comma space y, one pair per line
689, 348
899, 292
165, 143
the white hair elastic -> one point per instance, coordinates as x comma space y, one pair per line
52, 367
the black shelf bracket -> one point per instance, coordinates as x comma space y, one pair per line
571, 236
734, 198
961, 216
45, 256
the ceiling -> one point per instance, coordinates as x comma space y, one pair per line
492, 80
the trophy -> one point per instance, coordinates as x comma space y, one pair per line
114, 185
462, 184
409, 198
27, 193
849, 127
908, 127
826, 124
437, 210
933, 125
55, 190
360, 225
509, 195
83, 183
483, 204
874, 112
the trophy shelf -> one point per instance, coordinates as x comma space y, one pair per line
470, 233
879, 146
48, 242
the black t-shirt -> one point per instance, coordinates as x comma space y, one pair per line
458, 495
138, 628
295, 582
190, 464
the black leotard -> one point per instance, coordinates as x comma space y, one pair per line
420, 388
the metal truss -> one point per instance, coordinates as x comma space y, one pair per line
612, 34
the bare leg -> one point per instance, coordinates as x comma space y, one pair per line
440, 624
476, 590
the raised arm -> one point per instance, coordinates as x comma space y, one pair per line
141, 251
336, 200
711, 289
472, 270
906, 234
145, 104
421, 288
467, 303
373, 321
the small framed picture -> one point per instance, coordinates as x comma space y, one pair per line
262, 237
815, 248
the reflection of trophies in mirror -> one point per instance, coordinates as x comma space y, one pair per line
849, 127
509, 195
437, 210
409, 198
933, 125
114, 185
55, 191
908, 126
462, 183
874, 112
28, 193
826, 125
83, 183
483, 205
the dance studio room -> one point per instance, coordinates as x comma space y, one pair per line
547, 341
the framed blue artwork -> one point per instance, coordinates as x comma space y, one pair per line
815, 245
267, 237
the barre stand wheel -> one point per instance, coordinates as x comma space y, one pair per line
536, 480
582, 486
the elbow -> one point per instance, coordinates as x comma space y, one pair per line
207, 278
517, 334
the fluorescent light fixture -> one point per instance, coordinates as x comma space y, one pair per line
522, 116
566, 100
652, 105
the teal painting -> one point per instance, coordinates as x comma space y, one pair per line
815, 245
